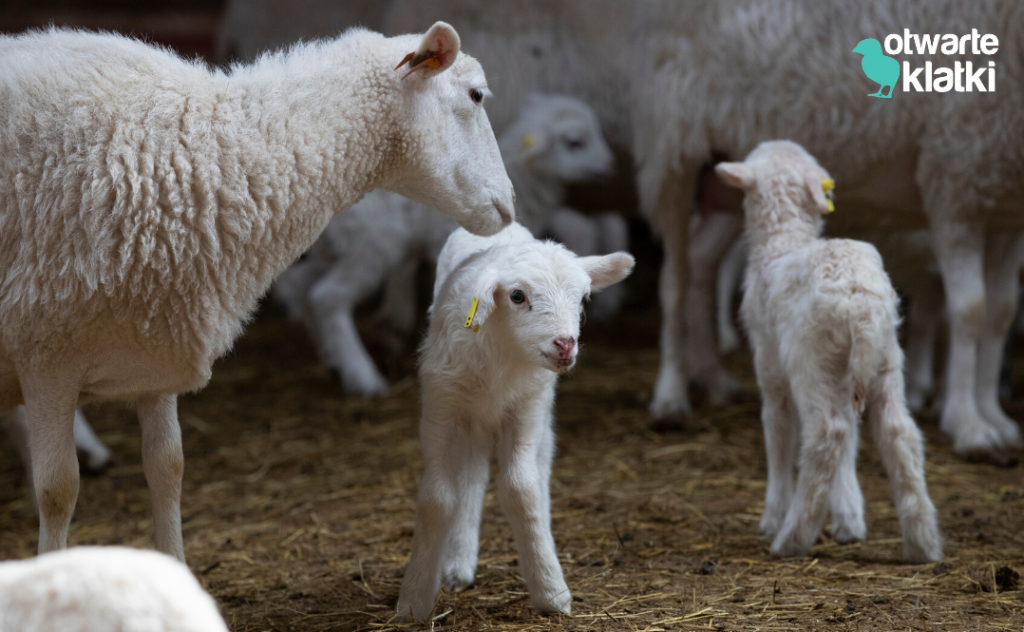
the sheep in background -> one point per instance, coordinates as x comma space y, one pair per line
822, 315
504, 324
93, 456
104, 589
676, 82
554, 141
147, 202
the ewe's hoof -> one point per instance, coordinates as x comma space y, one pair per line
1000, 456
670, 423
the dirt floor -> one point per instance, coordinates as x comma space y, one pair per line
298, 508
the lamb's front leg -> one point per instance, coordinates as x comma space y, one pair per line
525, 449
452, 456
781, 436
461, 550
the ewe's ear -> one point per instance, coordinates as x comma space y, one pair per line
605, 270
483, 293
437, 51
816, 188
738, 175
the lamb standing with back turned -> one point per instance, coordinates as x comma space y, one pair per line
148, 202
822, 316
504, 324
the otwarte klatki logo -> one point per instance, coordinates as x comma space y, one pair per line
930, 77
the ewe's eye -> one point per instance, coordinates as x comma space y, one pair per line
477, 95
517, 297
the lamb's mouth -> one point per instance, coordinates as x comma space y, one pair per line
559, 364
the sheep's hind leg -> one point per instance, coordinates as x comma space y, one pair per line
164, 465
1003, 255
846, 500
50, 408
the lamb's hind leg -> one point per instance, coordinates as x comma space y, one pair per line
845, 498
1003, 254
902, 448
824, 432
50, 407
164, 465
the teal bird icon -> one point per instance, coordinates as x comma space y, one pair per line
879, 68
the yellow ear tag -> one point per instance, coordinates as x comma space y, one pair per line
472, 315
528, 141
828, 186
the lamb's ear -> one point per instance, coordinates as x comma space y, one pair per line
534, 143
481, 303
437, 51
816, 188
605, 270
738, 175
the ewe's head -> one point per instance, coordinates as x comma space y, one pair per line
450, 159
532, 297
779, 174
558, 136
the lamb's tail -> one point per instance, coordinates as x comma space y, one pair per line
872, 332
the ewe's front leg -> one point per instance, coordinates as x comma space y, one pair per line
1003, 253
525, 449
50, 408
922, 331
446, 511
164, 466
960, 247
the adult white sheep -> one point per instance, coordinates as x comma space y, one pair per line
677, 81
147, 202
822, 316
555, 140
102, 589
504, 323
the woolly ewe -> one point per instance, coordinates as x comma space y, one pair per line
103, 589
822, 316
504, 323
555, 140
147, 202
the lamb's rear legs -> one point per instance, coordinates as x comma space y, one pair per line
902, 449
1003, 253
164, 465
846, 500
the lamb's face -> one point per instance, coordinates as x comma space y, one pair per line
450, 157
560, 137
779, 168
543, 299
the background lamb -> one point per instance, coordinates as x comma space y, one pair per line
822, 316
101, 589
555, 140
676, 83
143, 215
488, 383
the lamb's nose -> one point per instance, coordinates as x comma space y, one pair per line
565, 346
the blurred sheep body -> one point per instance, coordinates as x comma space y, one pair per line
822, 316
488, 383
147, 202
679, 81
555, 140
101, 589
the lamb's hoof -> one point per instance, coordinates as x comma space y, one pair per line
404, 613
998, 456
849, 531
368, 385
556, 602
921, 541
770, 524
787, 545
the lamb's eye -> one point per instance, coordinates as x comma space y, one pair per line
477, 95
575, 144
517, 297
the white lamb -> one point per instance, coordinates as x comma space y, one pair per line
555, 140
822, 317
103, 589
147, 202
504, 324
